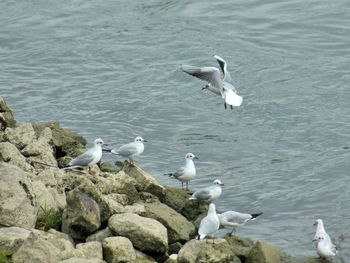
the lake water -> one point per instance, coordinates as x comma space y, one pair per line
110, 69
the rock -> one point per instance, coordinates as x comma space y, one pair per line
175, 198
100, 235
82, 215
6, 117
17, 200
65, 142
12, 238
240, 246
143, 258
172, 259
174, 248
91, 249
146, 182
20, 136
137, 208
207, 251
179, 229
109, 168
50, 177
48, 197
145, 234
82, 260
40, 152
118, 249
263, 252
51, 246
10, 154
194, 208
119, 183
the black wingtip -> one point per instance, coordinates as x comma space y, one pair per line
256, 215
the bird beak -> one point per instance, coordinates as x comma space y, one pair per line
222, 184
205, 87
104, 144
315, 224
195, 158
144, 140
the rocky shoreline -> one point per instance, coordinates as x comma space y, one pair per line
118, 214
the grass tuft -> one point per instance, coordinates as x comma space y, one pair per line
48, 218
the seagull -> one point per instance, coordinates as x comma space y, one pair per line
185, 173
209, 224
325, 248
210, 193
216, 84
129, 150
88, 158
233, 219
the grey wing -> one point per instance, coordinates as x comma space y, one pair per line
208, 225
82, 160
127, 149
203, 195
236, 217
209, 74
223, 66
179, 172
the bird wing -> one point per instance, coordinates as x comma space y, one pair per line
204, 195
179, 172
223, 66
83, 159
236, 217
126, 150
209, 74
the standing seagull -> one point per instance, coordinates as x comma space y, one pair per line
88, 158
209, 224
325, 247
216, 84
233, 219
209, 193
185, 173
129, 150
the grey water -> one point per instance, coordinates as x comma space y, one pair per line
111, 69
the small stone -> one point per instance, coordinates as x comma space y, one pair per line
91, 249
100, 235
263, 252
118, 249
12, 238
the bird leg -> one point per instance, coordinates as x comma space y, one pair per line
187, 185
231, 107
182, 185
225, 105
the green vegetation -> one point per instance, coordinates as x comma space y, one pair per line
4, 258
48, 218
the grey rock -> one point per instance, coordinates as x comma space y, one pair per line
10, 154
263, 252
179, 228
21, 135
6, 116
43, 247
82, 215
12, 238
240, 246
91, 249
207, 251
18, 205
145, 234
82, 260
100, 235
118, 249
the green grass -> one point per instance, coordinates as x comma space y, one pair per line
48, 218
4, 258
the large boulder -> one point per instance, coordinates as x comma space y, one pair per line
207, 251
17, 199
240, 246
118, 249
146, 234
43, 247
6, 116
12, 238
10, 154
146, 182
21, 135
263, 252
82, 215
100, 235
48, 197
179, 229
91, 249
